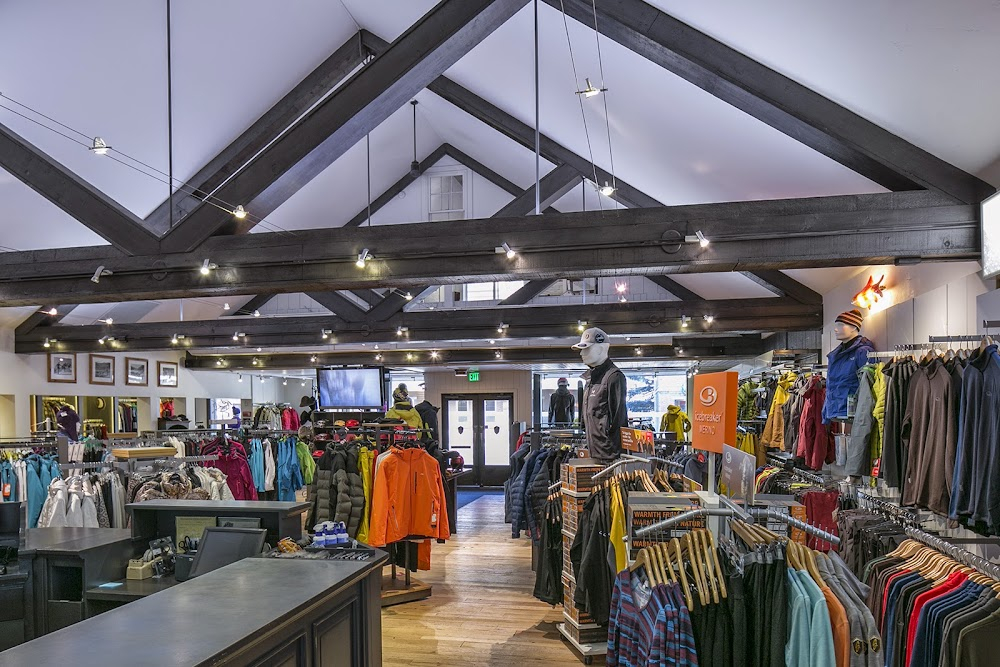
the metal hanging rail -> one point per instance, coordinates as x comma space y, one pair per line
956, 339
775, 515
957, 554
754, 513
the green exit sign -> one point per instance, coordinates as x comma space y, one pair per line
473, 376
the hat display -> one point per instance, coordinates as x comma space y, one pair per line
307, 402
852, 317
563, 382
339, 423
352, 423
590, 337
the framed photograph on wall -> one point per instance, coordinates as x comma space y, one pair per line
136, 371
166, 374
62, 367
102, 369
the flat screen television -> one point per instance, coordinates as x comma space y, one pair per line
351, 388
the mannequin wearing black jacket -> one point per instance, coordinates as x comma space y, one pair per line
562, 406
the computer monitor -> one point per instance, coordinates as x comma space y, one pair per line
222, 546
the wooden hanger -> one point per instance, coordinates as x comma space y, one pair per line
676, 544
642, 562
688, 542
700, 545
718, 567
663, 555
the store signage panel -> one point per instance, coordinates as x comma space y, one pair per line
713, 416
637, 440
738, 468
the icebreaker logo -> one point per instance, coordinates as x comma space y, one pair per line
708, 396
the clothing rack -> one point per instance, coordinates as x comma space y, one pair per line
786, 464
956, 339
768, 514
956, 553
877, 504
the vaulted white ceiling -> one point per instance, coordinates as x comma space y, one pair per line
925, 71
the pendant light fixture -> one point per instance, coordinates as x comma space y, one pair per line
415, 165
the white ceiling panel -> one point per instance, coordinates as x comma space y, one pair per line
28, 221
924, 70
721, 285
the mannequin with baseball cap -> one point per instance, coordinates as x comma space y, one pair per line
604, 410
562, 405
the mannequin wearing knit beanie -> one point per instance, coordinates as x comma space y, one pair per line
844, 363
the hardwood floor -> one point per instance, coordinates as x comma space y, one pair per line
481, 611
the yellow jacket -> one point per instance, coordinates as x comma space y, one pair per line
773, 436
407, 413
617, 531
879, 388
676, 421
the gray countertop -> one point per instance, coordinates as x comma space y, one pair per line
223, 505
71, 540
193, 622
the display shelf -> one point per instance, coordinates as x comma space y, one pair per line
586, 651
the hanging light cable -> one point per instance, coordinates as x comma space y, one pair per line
607, 116
414, 166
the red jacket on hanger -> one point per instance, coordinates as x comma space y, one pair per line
815, 443
408, 498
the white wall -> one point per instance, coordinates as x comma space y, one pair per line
438, 383
24, 375
932, 299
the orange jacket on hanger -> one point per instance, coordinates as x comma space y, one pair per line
408, 498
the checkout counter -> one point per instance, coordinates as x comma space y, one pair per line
258, 611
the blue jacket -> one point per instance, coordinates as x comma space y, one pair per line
842, 375
37, 478
289, 474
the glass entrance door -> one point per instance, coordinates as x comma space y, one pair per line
478, 427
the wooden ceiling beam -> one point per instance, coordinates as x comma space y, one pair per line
421, 54
775, 99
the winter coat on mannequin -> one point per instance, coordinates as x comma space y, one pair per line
844, 362
604, 408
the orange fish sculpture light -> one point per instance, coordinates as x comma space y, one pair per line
870, 294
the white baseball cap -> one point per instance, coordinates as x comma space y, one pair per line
590, 337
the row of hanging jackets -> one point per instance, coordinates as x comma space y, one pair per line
276, 418
233, 461
25, 478
934, 431
280, 467
795, 420
930, 610
536, 471
341, 487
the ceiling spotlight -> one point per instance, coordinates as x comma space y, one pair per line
107, 320
52, 311
497, 354
504, 248
590, 90
207, 266
409, 356
378, 357
492, 342
99, 146
698, 238
622, 298
239, 213
408, 296
303, 383
325, 333
47, 343
628, 338
581, 325
263, 379
285, 383
225, 306
218, 362
236, 336
638, 351
256, 313
312, 359
680, 350
607, 189
239, 378
434, 355
502, 327
284, 372
684, 321
709, 318
621, 287
99, 273
363, 257
401, 330
256, 361
102, 339
376, 346
174, 339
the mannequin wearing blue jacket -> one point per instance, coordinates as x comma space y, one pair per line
844, 362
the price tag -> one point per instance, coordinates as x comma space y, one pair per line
876, 466
6, 490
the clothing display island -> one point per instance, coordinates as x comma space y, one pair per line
258, 611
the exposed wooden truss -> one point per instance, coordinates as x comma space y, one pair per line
663, 317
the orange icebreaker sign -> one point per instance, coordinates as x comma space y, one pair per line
714, 414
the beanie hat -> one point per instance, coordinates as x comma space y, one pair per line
563, 381
852, 317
